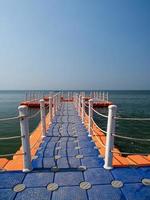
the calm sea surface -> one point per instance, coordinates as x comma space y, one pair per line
130, 104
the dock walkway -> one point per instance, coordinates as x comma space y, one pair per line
67, 166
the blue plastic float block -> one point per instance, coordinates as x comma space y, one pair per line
81, 132
43, 163
84, 138
68, 152
70, 145
64, 139
49, 152
89, 152
84, 134
40, 193
62, 163
71, 139
136, 191
68, 178
127, 174
7, 194
53, 133
48, 162
45, 142
69, 193
61, 144
40, 153
80, 127
38, 179
54, 139
92, 162
9, 179
37, 163
84, 144
98, 176
70, 162
144, 171
105, 192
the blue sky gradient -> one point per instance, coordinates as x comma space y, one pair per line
75, 44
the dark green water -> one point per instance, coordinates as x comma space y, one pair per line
130, 104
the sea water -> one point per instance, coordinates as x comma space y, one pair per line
135, 104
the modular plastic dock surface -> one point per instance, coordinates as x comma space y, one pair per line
68, 158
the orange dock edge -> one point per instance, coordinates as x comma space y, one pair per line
17, 161
118, 160
36, 104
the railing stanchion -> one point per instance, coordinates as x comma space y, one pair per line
56, 102
77, 101
107, 97
50, 109
53, 106
111, 123
79, 105
43, 122
103, 96
83, 109
24, 127
90, 116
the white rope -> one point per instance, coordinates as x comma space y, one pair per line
133, 119
9, 118
11, 154
10, 138
86, 105
99, 127
34, 115
129, 153
56, 94
131, 138
105, 116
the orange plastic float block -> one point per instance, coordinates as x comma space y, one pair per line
118, 160
62, 99
67, 100
3, 162
32, 104
101, 104
35, 140
15, 164
139, 160
98, 104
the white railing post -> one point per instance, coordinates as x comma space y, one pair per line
54, 106
50, 109
43, 122
83, 109
79, 105
56, 102
90, 116
24, 127
77, 99
107, 96
103, 96
99, 96
111, 123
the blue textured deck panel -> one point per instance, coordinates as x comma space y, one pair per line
66, 148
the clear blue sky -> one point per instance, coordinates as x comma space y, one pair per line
74, 44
